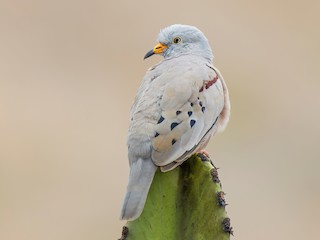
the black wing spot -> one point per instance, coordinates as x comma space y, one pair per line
173, 141
192, 122
157, 134
173, 125
161, 120
203, 109
191, 104
200, 103
190, 113
178, 112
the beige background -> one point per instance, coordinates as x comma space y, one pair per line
68, 75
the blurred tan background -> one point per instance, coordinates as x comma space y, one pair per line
69, 71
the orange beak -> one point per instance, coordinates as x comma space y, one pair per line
159, 48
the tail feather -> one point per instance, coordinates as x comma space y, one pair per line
141, 175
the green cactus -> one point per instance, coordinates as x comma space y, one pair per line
186, 203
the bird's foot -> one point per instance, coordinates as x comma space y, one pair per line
204, 156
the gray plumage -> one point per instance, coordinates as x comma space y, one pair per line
181, 103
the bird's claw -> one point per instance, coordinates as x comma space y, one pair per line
204, 156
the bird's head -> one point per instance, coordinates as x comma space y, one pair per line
177, 40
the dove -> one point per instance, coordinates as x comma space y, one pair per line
182, 101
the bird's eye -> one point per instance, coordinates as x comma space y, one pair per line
176, 40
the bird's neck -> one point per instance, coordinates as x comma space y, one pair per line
207, 58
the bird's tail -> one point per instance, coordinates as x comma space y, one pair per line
140, 179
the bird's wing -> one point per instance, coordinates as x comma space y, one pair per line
190, 105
